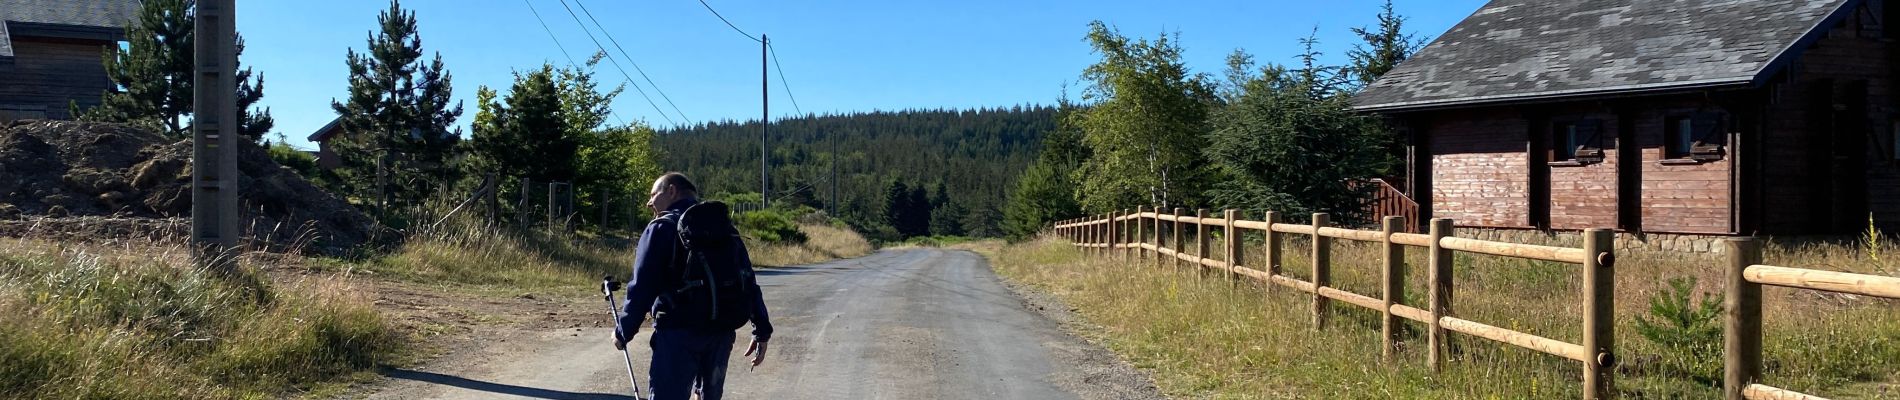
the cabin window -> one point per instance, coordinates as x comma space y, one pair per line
1697, 137
1576, 142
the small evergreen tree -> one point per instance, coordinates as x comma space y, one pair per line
397, 141
152, 75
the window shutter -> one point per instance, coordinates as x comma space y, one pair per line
1709, 137
1590, 141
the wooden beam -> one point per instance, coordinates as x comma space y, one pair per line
1392, 278
1840, 282
1599, 324
1440, 267
1535, 252
1322, 259
1519, 339
1741, 320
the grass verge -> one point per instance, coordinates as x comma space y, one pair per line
530, 260
101, 322
1204, 338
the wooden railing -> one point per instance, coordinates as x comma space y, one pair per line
1132, 235
1742, 333
1388, 201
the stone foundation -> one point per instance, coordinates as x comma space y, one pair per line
1625, 241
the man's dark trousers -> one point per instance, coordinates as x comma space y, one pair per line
682, 355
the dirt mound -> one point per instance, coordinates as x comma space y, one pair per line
64, 169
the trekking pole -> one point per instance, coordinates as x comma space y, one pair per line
607, 287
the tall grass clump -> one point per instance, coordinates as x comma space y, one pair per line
823, 242
137, 323
466, 250
1202, 338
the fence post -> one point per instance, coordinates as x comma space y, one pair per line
1599, 326
1322, 269
554, 209
1200, 239
1123, 237
523, 211
1233, 249
1273, 250
1133, 234
1178, 247
1394, 280
1159, 243
1440, 292
1741, 320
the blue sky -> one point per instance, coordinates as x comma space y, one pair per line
838, 56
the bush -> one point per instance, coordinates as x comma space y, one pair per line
770, 226
1686, 329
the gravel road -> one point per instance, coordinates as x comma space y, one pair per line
898, 324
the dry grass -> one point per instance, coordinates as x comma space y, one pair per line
823, 243
485, 256
1202, 337
140, 321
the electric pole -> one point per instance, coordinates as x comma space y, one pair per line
765, 121
214, 123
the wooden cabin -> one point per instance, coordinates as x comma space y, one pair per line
52, 52
1696, 117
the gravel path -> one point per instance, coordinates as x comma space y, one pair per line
898, 324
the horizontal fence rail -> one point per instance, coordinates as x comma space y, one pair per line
1742, 319
1135, 234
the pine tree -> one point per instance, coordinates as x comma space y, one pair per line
396, 121
1384, 48
917, 223
152, 75
897, 207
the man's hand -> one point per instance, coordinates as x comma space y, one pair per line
757, 352
619, 344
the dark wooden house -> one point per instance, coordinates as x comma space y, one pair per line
1703, 117
51, 54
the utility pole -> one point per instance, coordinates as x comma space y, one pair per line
214, 165
765, 121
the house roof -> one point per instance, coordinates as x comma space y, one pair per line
92, 13
1538, 49
87, 19
6, 43
326, 131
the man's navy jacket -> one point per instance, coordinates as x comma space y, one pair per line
654, 272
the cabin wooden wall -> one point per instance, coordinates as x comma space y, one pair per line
1823, 171
51, 74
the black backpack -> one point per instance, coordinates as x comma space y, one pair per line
714, 272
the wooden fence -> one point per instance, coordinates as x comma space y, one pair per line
1742, 320
1137, 234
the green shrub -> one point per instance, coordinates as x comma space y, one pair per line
1687, 330
770, 226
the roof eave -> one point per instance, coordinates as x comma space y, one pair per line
1793, 52
1621, 91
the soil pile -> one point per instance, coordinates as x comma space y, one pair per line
78, 179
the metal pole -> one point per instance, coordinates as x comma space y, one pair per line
764, 122
214, 177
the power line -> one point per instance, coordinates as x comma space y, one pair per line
544, 26
636, 65
728, 22
616, 62
557, 44
781, 78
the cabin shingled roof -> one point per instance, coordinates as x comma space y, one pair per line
1524, 49
110, 14
92, 13
6, 43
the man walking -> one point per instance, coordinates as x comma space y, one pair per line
692, 272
